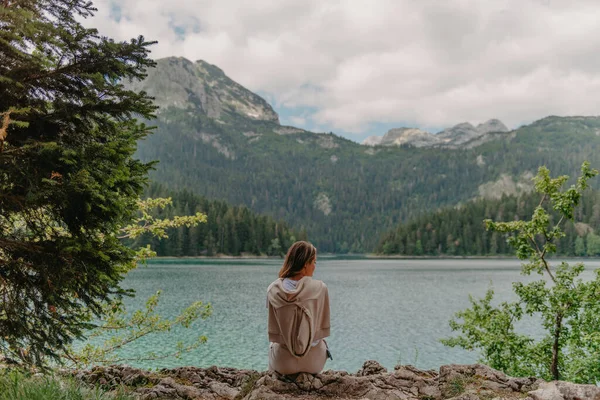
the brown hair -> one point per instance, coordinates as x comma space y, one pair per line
298, 255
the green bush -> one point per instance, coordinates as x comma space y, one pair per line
566, 305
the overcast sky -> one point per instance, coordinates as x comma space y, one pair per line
358, 68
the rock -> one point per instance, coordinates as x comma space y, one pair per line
558, 390
317, 384
547, 391
463, 135
323, 203
327, 142
492, 125
412, 136
178, 82
506, 185
157, 392
371, 367
289, 130
223, 390
573, 391
480, 161
304, 381
466, 396
494, 386
458, 134
372, 381
372, 141
276, 383
431, 391
523, 384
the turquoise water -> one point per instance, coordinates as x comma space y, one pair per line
389, 310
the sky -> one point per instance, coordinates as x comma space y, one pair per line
360, 67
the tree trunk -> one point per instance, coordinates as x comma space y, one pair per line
555, 347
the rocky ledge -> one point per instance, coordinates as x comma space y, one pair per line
372, 381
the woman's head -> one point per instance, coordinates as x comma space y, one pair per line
301, 254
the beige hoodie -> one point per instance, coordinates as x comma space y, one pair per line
298, 318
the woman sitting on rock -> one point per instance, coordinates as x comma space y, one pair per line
298, 315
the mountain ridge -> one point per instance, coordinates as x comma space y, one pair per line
343, 194
219, 94
459, 135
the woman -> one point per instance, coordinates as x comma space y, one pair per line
298, 314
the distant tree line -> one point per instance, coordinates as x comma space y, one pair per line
230, 230
460, 231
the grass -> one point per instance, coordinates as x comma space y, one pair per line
458, 385
248, 386
18, 385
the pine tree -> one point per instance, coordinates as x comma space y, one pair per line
593, 244
68, 181
579, 246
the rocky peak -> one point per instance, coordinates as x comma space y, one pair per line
210, 69
466, 135
463, 126
460, 135
413, 136
492, 125
178, 82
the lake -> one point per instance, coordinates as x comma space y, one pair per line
390, 310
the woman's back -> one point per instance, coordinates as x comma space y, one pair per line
299, 315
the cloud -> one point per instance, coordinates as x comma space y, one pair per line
298, 121
358, 64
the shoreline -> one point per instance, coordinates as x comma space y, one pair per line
358, 257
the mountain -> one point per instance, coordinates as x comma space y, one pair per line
343, 194
178, 82
462, 135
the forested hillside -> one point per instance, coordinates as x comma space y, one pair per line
344, 195
459, 231
230, 230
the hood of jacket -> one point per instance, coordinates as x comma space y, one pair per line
307, 288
